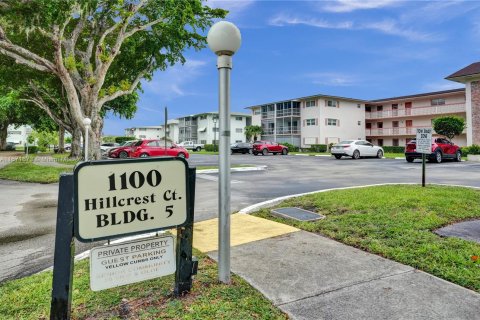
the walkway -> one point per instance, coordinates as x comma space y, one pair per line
312, 277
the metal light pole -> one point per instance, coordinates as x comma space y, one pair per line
214, 134
86, 123
224, 39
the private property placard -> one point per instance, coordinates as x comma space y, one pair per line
424, 140
114, 198
116, 265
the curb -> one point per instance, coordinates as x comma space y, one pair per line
239, 169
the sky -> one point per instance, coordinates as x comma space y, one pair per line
368, 49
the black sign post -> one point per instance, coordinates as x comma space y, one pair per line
186, 264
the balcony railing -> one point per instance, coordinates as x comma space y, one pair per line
397, 131
417, 111
288, 130
288, 112
268, 115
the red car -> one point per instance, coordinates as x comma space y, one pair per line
123, 151
441, 149
156, 148
266, 147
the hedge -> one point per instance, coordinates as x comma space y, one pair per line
393, 149
291, 147
209, 147
318, 148
32, 149
123, 139
473, 149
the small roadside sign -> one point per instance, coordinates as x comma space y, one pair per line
114, 198
116, 265
424, 140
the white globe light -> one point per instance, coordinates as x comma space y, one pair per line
224, 38
87, 121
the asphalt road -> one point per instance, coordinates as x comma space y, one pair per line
28, 210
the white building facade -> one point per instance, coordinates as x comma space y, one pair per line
306, 121
18, 134
146, 132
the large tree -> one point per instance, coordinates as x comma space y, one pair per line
449, 126
100, 50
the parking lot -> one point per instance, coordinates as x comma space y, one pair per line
27, 244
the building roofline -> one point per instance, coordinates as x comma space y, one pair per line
434, 93
309, 97
471, 70
216, 112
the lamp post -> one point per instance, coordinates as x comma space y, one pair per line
215, 134
224, 39
86, 123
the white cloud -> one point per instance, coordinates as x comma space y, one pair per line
390, 27
341, 6
283, 20
171, 83
441, 86
334, 79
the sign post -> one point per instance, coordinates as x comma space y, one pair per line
103, 200
424, 146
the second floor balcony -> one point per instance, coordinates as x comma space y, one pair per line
417, 111
396, 131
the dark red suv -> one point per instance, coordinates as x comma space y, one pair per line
122, 151
156, 148
266, 147
441, 149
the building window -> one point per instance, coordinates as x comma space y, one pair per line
311, 103
237, 141
215, 129
332, 122
380, 142
203, 141
359, 105
142, 129
239, 118
311, 122
257, 111
359, 123
332, 103
238, 130
438, 102
395, 142
380, 125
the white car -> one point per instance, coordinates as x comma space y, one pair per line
356, 149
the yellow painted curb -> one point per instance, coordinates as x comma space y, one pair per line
244, 229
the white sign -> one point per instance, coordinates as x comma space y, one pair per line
117, 265
123, 197
424, 140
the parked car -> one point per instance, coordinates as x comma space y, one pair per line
441, 149
356, 149
11, 146
266, 147
123, 150
241, 147
108, 145
189, 145
156, 148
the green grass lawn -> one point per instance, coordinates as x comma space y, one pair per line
63, 158
29, 298
23, 169
397, 222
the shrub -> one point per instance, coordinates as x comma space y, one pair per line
474, 149
465, 151
209, 147
318, 148
123, 139
394, 149
291, 147
32, 149
330, 145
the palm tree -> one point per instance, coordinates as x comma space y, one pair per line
253, 131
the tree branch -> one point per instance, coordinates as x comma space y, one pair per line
21, 60
141, 28
11, 49
117, 94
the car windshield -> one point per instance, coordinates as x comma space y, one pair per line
345, 142
138, 143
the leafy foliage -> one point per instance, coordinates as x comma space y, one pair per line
449, 126
253, 131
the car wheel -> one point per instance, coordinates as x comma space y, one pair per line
123, 155
144, 155
255, 153
458, 156
337, 156
181, 155
198, 149
380, 154
356, 155
284, 152
438, 156
274, 153
410, 159
264, 152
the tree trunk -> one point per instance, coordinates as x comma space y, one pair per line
76, 151
61, 139
95, 139
3, 135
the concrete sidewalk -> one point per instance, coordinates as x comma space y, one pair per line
312, 277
